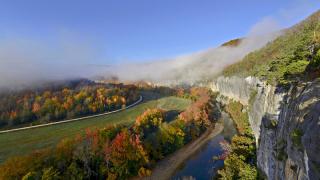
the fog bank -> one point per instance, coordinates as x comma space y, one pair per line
200, 65
26, 62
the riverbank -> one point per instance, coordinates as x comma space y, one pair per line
168, 166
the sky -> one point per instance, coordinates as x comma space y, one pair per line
117, 31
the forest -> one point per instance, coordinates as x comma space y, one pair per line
118, 152
64, 101
293, 57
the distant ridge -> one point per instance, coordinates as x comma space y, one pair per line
232, 43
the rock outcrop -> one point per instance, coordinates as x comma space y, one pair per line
286, 124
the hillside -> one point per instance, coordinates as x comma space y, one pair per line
278, 87
291, 57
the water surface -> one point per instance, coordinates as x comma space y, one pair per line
201, 165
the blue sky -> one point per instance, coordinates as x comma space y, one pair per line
139, 30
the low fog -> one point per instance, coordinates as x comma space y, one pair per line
26, 62
29, 61
190, 68
198, 66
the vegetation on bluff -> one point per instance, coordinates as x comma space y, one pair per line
240, 161
240, 118
292, 57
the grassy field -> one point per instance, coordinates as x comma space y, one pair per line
23, 142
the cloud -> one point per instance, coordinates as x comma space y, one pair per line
24, 62
266, 25
27, 61
298, 10
200, 65
206, 64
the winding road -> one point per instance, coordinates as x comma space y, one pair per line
75, 119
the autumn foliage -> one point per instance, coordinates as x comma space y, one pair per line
126, 154
64, 102
116, 152
199, 115
149, 121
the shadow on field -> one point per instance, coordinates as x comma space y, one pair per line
149, 96
171, 115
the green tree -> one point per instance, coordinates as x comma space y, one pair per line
50, 174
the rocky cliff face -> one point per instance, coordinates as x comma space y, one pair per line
285, 124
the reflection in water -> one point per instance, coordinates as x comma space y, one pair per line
229, 129
202, 165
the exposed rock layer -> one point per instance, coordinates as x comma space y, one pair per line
285, 124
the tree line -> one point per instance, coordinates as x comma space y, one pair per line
65, 102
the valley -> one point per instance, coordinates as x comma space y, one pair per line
26, 141
145, 91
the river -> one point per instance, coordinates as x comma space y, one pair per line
201, 165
